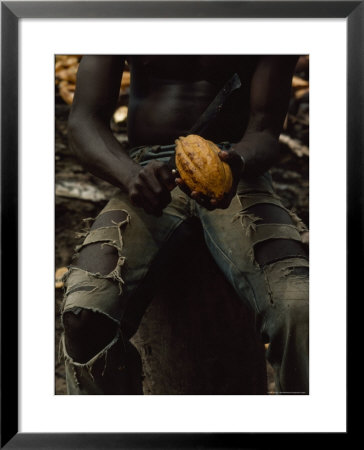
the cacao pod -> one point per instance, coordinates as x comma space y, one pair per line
200, 167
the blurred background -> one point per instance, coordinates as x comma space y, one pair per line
79, 194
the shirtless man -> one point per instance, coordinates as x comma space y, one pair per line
108, 287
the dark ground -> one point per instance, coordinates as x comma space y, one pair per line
80, 195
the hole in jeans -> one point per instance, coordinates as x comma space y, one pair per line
87, 333
272, 250
100, 258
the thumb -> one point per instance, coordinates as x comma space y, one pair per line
224, 155
234, 160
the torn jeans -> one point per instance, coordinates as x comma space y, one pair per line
277, 292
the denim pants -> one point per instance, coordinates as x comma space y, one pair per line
277, 292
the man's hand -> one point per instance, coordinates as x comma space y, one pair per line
236, 165
149, 187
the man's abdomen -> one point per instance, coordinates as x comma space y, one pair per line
166, 111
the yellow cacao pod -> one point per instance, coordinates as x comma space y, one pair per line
200, 167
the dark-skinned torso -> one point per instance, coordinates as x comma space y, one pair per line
169, 94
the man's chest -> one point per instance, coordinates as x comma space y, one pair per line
212, 68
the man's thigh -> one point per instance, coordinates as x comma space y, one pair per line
257, 244
119, 249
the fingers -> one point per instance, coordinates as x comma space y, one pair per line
212, 204
184, 188
204, 201
224, 155
201, 199
151, 189
144, 198
166, 176
234, 160
229, 157
193, 194
154, 186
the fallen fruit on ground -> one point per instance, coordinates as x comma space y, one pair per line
59, 276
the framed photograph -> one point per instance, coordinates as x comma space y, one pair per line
331, 34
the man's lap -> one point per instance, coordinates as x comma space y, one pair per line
231, 235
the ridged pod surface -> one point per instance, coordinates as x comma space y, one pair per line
200, 167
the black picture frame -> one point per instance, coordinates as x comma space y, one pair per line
11, 12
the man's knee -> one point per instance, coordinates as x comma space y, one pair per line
287, 286
295, 316
87, 333
287, 327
